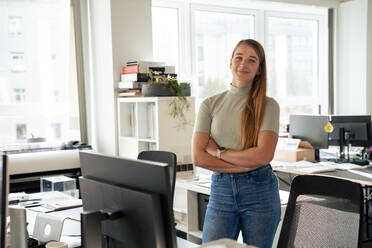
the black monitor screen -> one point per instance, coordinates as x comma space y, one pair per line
309, 128
3, 199
356, 130
139, 189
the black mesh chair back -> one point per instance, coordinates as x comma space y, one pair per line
322, 212
163, 157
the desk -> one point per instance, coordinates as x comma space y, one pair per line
343, 174
71, 230
349, 175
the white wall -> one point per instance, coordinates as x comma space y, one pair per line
369, 60
101, 83
352, 81
119, 30
131, 32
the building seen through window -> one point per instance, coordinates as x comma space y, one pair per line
19, 95
15, 26
21, 130
292, 53
17, 61
216, 34
38, 90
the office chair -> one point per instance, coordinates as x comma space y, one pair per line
164, 157
322, 212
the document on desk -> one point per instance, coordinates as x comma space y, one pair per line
361, 173
55, 201
305, 167
203, 183
316, 169
298, 164
341, 166
64, 204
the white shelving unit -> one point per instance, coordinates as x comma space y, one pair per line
145, 124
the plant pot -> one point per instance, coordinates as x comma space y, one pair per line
156, 89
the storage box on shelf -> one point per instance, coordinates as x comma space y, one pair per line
145, 124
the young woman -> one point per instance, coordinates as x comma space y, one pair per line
235, 137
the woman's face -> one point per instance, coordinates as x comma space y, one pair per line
244, 66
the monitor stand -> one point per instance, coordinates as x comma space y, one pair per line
316, 154
91, 229
344, 138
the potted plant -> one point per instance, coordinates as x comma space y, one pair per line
162, 85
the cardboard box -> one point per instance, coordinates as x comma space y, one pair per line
304, 152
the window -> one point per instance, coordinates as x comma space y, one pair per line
15, 26
42, 100
295, 42
19, 95
17, 61
165, 35
21, 131
56, 127
293, 58
215, 36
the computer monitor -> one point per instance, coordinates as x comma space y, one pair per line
127, 202
310, 128
3, 199
354, 130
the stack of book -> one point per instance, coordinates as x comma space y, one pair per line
130, 93
136, 73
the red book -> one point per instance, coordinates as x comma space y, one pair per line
128, 69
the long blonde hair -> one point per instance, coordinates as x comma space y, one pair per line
252, 115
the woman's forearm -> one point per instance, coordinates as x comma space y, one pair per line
261, 154
204, 160
251, 157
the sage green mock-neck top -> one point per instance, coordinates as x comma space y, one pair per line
219, 116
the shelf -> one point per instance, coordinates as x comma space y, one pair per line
180, 210
127, 119
181, 227
128, 138
147, 140
144, 124
196, 233
137, 99
138, 139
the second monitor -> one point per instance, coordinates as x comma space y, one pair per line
354, 130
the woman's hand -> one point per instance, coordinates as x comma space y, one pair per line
211, 147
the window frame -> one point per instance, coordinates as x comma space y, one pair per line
217, 9
183, 51
14, 109
178, 8
322, 86
261, 12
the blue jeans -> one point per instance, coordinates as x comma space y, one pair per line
247, 201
